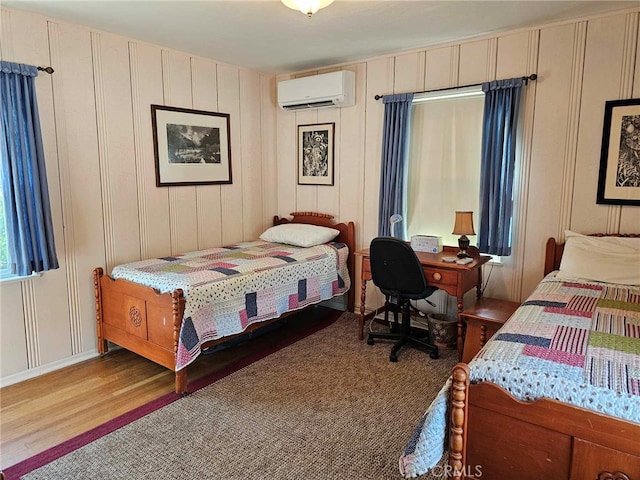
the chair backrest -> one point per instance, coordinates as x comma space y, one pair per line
396, 270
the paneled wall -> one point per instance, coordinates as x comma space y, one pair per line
107, 209
96, 121
580, 65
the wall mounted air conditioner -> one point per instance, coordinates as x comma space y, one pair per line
335, 89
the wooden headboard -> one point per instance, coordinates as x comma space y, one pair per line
553, 252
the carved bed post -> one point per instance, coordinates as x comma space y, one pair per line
103, 346
177, 308
458, 424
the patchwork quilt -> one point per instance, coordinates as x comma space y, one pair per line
572, 340
228, 288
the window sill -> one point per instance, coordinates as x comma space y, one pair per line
495, 260
8, 278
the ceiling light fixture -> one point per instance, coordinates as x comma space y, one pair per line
308, 7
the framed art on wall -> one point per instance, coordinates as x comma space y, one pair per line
191, 147
315, 154
619, 178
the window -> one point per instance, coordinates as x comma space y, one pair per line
444, 161
26, 227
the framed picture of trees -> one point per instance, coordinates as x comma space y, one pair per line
191, 147
315, 154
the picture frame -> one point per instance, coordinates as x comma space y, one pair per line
619, 175
191, 147
315, 154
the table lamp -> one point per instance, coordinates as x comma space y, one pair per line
463, 227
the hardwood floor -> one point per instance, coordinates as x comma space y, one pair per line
42, 412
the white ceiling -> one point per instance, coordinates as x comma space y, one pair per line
267, 36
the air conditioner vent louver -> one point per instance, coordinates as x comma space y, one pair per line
335, 89
302, 106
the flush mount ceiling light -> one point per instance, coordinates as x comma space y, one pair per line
308, 7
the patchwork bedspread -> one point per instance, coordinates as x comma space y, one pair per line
573, 341
228, 288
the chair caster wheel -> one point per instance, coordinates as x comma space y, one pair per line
393, 358
369, 341
433, 355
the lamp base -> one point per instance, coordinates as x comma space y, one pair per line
463, 245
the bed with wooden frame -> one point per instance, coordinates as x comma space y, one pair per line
148, 323
542, 439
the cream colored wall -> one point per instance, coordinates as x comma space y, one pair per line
580, 65
96, 123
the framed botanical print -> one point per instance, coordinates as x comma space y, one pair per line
315, 154
192, 147
619, 178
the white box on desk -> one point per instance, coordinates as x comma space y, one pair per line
426, 243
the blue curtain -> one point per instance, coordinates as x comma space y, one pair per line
24, 181
500, 124
395, 152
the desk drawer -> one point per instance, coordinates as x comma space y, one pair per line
435, 276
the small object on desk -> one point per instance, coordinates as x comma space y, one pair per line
449, 259
464, 261
426, 243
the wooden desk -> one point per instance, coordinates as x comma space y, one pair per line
454, 279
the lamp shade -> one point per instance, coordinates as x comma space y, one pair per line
464, 224
308, 7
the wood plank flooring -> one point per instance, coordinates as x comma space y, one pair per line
42, 412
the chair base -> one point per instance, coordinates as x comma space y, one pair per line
402, 340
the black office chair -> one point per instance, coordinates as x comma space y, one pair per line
396, 271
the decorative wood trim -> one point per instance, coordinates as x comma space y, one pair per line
521, 190
6, 36
613, 476
614, 212
492, 59
139, 149
454, 66
173, 219
458, 420
573, 124
71, 264
103, 149
31, 324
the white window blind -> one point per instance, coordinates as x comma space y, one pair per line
444, 162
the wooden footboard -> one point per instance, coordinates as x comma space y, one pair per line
139, 319
495, 436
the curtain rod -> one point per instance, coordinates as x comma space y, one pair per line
533, 76
49, 70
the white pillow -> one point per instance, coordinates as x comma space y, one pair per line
299, 234
603, 259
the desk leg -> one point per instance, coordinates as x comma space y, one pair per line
363, 298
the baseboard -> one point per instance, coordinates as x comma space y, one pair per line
48, 368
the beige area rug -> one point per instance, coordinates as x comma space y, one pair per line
328, 407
